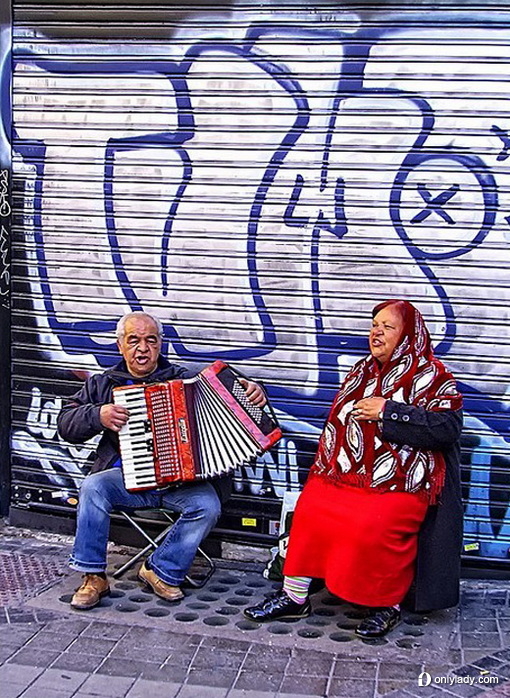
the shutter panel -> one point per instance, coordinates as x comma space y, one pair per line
260, 178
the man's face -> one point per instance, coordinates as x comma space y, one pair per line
140, 346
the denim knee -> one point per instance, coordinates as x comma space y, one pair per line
93, 491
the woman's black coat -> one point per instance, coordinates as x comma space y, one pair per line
440, 540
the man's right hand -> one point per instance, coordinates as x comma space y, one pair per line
113, 416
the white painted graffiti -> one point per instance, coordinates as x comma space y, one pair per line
5, 206
64, 464
5, 275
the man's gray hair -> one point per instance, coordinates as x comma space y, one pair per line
121, 325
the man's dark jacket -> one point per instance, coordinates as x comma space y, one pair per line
440, 539
79, 419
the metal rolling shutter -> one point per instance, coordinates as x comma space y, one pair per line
260, 178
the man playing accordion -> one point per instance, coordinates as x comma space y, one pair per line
90, 412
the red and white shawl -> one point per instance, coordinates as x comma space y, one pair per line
352, 452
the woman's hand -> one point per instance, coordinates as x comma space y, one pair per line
254, 392
368, 409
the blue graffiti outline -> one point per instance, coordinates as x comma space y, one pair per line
489, 192
503, 136
176, 73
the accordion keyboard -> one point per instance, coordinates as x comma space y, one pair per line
135, 439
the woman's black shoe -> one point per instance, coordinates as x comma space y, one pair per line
379, 622
278, 606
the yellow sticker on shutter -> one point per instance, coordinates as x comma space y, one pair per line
249, 522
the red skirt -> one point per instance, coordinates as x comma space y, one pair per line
362, 543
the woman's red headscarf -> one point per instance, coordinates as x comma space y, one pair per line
353, 452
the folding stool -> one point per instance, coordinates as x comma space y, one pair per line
152, 543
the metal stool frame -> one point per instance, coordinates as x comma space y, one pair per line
153, 544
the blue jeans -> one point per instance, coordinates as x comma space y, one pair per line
101, 493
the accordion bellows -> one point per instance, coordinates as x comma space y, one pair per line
191, 429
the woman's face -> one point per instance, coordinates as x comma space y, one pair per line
387, 327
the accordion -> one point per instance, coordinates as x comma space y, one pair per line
191, 429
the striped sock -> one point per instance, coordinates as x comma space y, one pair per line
296, 588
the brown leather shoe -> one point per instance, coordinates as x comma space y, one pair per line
158, 586
91, 591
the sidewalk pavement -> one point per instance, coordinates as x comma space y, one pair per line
135, 645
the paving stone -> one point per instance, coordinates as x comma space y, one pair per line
221, 643
463, 690
270, 659
399, 670
485, 640
106, 631
310, 663
60, 680
34, 692
304, 685
155, 654
92, 645
17, 635
262, 680
211, 677
386, 686
352, 688
471, 656
489, 662
43, 616
431, 691
111, 686
478, 611
20, 616
355, 669
68, 626
241, 693
150, 637
45, 640
489, 625
75, 661
15, 673
143, 688
169, 672
38, 657
182, 658
12, 690
7, 651
205, 692
125, 667
217, 658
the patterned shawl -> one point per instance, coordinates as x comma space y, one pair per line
353, 453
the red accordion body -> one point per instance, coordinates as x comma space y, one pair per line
191, 429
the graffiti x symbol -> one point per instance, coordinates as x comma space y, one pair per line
435, 204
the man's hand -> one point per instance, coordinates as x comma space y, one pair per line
254, 392
368, 409
113, 416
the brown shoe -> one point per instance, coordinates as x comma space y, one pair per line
158, 586
91, 591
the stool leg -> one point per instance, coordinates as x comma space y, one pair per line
153, 544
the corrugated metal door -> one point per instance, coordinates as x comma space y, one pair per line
259, 178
